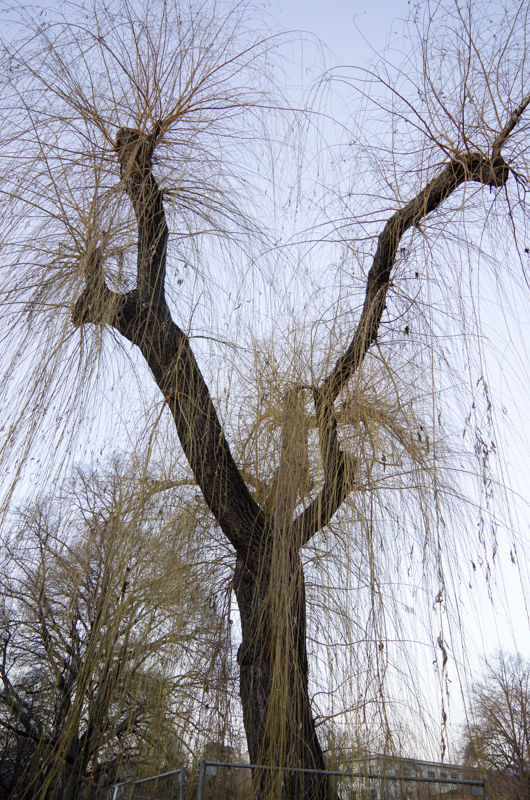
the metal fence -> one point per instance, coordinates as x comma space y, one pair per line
220, 780
166, 786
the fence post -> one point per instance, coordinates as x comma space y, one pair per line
200, 788
182, 784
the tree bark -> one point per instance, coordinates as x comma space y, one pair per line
284, 736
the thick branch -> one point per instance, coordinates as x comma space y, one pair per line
96, 303
8, 726
16, 704
142, 316
135, 151
168, 353
515, 116
340, 475
320, 510
291, 480
472, 167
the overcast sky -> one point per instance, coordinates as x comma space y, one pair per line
339, 22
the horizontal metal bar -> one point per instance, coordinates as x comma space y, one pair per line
366, 775
152, 778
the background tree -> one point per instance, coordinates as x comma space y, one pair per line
99, 606
139, 139
497, 737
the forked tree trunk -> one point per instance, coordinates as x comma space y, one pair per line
269, 581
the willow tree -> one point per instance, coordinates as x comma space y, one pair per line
133, 150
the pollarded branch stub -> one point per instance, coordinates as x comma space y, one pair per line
135, 151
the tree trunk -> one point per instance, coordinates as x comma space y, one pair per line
273, 667
72, 781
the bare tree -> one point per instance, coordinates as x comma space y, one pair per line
96, 625
497, 738
135, 147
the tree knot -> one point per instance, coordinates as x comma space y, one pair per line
488, 171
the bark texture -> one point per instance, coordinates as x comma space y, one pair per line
291, 734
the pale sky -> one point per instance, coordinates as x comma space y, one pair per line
338, 24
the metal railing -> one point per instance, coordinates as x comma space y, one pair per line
133, 789
143, 783
477, 786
